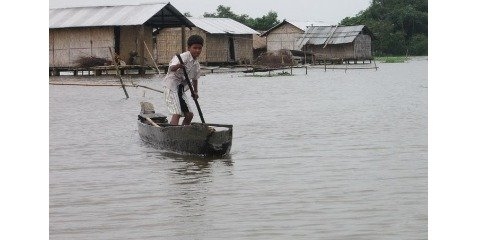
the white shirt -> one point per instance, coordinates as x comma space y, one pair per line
173, 79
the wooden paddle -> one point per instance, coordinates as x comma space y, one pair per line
151, 122
191, 88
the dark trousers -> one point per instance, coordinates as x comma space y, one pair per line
184, 107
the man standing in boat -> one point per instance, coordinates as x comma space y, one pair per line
175, 83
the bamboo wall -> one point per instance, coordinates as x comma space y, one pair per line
215, 48
283, 37
69, 44
332, 51
362, 47
359, 49
243, 48
168, 43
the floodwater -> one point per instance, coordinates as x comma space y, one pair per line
328, 155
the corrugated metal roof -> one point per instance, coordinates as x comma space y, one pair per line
156, 15
303, 25
221, 26
319, 35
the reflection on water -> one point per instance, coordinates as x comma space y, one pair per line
329, 155
191, 178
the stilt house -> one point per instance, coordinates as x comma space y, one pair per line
91, 31
226, 41
337, 43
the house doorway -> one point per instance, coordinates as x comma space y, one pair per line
232, 49
116, 32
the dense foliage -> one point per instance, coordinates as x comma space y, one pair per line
400, 26
263, 23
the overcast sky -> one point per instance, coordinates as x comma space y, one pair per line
328, 11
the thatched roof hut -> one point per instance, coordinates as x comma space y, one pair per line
90, 31
226, 41
285, 34
338, 43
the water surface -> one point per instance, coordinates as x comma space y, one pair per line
328, 155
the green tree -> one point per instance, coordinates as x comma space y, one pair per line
418, 44
400, 26
265, 22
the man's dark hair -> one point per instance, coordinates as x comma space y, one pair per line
195, 39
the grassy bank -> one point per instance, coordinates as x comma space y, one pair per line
392, 59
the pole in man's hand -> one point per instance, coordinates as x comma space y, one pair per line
191, 89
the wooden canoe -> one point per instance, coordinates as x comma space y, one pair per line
198, 138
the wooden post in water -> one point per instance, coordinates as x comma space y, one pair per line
141, 71
118, 72
325, 63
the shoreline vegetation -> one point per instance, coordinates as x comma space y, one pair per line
400, 26
392, 59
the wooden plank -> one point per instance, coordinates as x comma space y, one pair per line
151, 122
